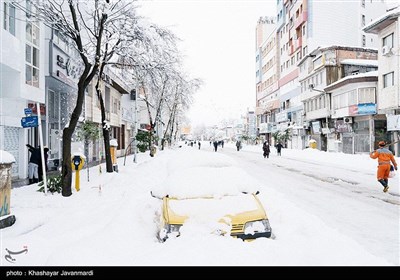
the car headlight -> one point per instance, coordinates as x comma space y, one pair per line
169, 230
173, 229
257, 226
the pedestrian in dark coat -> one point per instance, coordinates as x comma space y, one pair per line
215, 145
33, 165
279, 147
266, 149
238, 144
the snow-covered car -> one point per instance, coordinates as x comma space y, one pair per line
240, 216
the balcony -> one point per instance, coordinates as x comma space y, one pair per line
300, 20
298, 43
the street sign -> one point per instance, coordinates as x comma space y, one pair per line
28, 111
31, 121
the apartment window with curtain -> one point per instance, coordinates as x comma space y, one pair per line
9, 17
366, 95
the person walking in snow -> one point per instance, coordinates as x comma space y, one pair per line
33, 165
238, 144
199, 145
266, 149
384, 156
279, 147
215, 145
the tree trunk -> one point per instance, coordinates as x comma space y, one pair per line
106, 132
106, 137
66, 163
67, 139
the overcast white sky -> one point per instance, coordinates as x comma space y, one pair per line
219, 47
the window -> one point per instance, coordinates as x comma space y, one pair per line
366, 95
362, 20
388, 41
352, 97
363, 3
364, 40
115, 105
32, 36
9, 17
32, 55
317, 62
107, 99
305, 51
388, 80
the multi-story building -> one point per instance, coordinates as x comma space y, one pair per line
388, 30
62, 73
22, 82
320, 68
355, 123
266, 76
303, 26
113, 91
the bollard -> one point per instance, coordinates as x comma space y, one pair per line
77, 164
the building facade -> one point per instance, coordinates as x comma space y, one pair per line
302, 27
22, 82
387, 28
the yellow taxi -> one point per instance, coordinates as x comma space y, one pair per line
241, 215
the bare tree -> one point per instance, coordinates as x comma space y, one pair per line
85, 23
181, 100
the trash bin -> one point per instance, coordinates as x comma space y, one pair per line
313, 144
6, 160
113, 152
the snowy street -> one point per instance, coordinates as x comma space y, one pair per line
324, 209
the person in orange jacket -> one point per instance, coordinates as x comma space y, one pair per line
384, 156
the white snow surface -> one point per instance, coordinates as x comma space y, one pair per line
324, 209
6, 157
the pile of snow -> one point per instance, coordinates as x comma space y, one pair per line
6, 157
207, 209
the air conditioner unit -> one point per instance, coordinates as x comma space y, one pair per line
386, 50
348, 120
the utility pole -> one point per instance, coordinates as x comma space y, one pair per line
135, 131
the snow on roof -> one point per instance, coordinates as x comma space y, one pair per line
363, 62
6, 157
350, 77
392, 13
